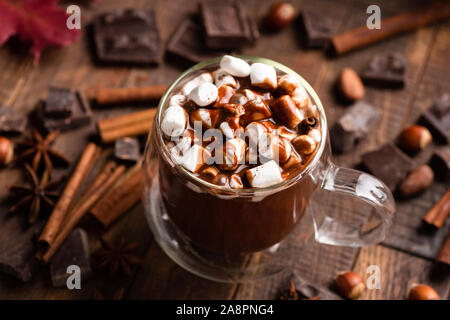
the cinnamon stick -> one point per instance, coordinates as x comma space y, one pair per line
404, 22
105, 96
122, 197
84, 166
439, 213
129, 125
444, 253
101, 184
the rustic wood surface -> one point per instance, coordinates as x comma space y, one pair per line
404, 258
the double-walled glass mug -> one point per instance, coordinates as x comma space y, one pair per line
239, 235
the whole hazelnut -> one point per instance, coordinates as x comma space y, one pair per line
6, 151
279, 16
414, 138
418, 180
423, 292
350, 85
349, 284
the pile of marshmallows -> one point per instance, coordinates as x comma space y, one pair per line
244, 111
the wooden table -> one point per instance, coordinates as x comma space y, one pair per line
407, 256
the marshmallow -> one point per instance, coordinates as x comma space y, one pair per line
272, 147
224, 95
263, 76
205, 77
231, 155
236, 182
254, 131
223, 78
209, 173
235, 66
304, 144
287, 112
177, 100
243, 97
207, 117
300, 97
285, 133
264, 175
229, 127
293, 161
255, 110
288, 83
174, 121
315, 134
185, 142
195, 158
204, 94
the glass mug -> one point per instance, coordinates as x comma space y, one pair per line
239, 235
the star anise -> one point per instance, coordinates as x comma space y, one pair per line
120, 257
38, 149
98, 295
35, 193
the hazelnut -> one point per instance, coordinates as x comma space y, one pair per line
349, 284
423, 292
414, 138
418, 180
6, 151
350, 85
304, 144
279, 16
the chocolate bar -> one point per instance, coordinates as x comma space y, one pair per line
389, 164
128, 36
317, 28
127, 149
227, 24
386, 70
188, 43
59, 103
74, 251
353, 126
437, 119
440, 163
80, 116
11, 121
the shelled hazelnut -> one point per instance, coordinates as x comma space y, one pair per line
6, 151
350, 285
422, 292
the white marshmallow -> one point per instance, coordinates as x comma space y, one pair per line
174, 121
177, 100
207, 117
227, 130
300, 97
223, 78
289, 83
263, 76
194, 158
184, 144
264, 175
204, 94
272, 147
235, 66
315, 134
254, 131
190, 85
231, 155
236, 182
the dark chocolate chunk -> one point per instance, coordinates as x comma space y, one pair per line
73, 251
188, 43
440, 163
317, 29
437, 119
389, 164
353, 126
127, 149
81, 115
386, 70
59, 103
128, 36
11, 121
227, 24
18, 260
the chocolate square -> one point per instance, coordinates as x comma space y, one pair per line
128, 36
386, 70
188, 43
437, 119
127, 149
59, 103
353, 126
317, 28
11, 121
440, 163
389, 164
227, 24
73, 251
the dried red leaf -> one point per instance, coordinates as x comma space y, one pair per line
40, 22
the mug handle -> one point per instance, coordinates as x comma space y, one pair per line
353, 183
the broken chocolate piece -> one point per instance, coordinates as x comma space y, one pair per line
81, 115
440, 163
305, 290
386, 70
317, 28
187, 42
18, 260
11, 121
59, 103
127, 149
227, 24
354, 125
389, 164
437, 119
74, 251
128, 36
